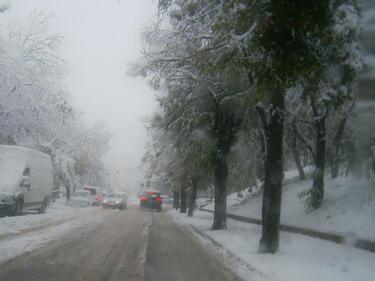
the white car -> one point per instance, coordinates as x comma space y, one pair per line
81, 198
26, 179
115, 200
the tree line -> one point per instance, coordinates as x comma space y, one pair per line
246, 88
35, 106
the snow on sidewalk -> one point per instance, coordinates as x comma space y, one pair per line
57, 211
20, 234
300, 258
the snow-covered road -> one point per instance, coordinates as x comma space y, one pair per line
154, 247
132, 245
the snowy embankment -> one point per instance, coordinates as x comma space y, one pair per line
300, 258
235, 200
348, 209
30, 231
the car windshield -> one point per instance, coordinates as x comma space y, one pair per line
115, 196
196, 140
151, 194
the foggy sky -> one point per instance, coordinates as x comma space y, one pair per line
101, 37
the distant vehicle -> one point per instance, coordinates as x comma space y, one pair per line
151, 199
116, 200
81, 198
167, 199
96, 193
26, 179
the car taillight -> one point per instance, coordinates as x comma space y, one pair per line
143, 198
152, 192
158, 199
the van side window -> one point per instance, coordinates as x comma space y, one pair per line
26, 172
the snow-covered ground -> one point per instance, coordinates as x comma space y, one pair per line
300, 258
235, 200
30, 231
348, 209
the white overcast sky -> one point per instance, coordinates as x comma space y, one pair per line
101, 37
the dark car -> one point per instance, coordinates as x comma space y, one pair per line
151, 199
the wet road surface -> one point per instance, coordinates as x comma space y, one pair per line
131, 245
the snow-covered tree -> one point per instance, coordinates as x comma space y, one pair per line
35, 108
202, 86
235, 56
328, 93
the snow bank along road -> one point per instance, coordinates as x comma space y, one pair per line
129, 245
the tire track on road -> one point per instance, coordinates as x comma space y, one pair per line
111, 250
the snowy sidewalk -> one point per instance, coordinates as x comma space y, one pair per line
20, 234
332, 237
300, 258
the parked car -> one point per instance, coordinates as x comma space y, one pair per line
81, 198
115, 200
151, 199
26, 179
96, 193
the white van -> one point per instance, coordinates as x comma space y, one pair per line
26, 179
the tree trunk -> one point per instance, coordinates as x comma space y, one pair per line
317, 190
220, 210
193, 199
176, 201
336, 147
263, 140
334, 164
296, 155
68, 191
183, 197
269, 243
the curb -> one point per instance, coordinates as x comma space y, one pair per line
229, 254
362, 244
